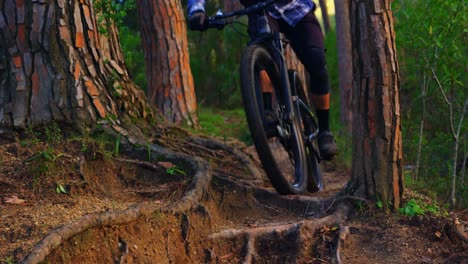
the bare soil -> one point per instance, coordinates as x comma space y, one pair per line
239, 219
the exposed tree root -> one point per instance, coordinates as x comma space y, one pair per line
201, 172
315, 207
342, 235
243, 158
123, 247
303, 230
62, 234
459, 230
198, 187
341, 198
200, 180
240, 183
141, 163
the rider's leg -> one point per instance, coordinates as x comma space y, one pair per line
314, 60
307, 41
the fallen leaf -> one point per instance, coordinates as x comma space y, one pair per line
14, 200
438, 234
165, 164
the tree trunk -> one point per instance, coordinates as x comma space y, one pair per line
170, 81
456, 142
325, 17
345, 65
377, 148
55, 66
424, 87
461, 186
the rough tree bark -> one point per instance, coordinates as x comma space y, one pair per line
55, 66
345, 66
377, 147
325, 17
170, 82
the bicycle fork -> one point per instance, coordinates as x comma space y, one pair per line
286, 91
300, 105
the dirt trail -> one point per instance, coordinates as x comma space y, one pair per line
238, 219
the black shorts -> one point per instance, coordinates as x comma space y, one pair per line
307, 32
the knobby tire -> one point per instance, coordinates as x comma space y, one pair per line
309, 125
254, 59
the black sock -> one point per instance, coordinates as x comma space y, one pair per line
322, 116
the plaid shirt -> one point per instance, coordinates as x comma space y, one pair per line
292, 11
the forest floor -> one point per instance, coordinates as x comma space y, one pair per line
48, 183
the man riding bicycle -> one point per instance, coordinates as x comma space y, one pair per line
296, 19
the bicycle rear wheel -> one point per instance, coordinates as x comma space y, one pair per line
309, 128
279, 143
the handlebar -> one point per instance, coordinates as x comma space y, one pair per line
219, 20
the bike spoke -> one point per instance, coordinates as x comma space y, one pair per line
282, 158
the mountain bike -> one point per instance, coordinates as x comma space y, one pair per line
283, 128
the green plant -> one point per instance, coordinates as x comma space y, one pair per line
47, 155
32, 137
223, 123
431, 37
110, 11
8, 260
84, 147
412, 208
53, 132
173, 170
379, 204
97, 142
157, 215
134, 58
60, 189
148, 149
117, 146
113, 84
43, 164
360, 206
418, 207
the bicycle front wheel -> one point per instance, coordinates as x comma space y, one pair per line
279, 142
309, 129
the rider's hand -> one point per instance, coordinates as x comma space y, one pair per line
197, 21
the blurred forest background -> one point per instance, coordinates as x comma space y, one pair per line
431, 45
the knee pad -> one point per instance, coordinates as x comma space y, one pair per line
314, 60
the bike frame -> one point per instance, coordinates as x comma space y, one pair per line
292, 107
273, 42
